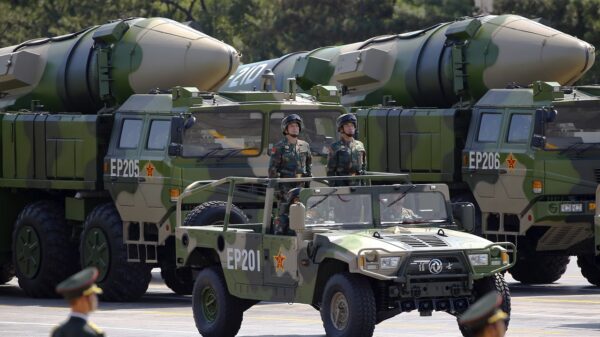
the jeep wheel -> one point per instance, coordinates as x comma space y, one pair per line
102, 246
488, 284
589, 269
216, 312
7, 272
213, 213
180, 280
535, 268
348, 307
43, 252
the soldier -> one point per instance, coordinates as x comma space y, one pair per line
81, 292
347, 157
290, 157
485, 318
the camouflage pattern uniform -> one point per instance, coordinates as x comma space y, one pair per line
346, 158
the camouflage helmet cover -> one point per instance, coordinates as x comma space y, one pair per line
293, 118
346, 118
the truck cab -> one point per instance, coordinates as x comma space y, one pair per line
530, 159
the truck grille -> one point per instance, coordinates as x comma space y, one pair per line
421, 241
435, 265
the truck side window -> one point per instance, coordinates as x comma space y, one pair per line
518, 132
489, 127
130, 133
319, 129
159, 135
224, 134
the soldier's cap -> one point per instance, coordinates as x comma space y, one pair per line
485, 311
80, 284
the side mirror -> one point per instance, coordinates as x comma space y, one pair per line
175, 150
464, 214
296, 216
538, 141
177, 127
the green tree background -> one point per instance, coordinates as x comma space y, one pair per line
263, 29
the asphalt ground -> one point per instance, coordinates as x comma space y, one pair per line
569, 307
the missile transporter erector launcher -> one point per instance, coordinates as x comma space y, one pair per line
89, 172
527, 157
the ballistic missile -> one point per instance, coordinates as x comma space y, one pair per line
103, 65
438, 66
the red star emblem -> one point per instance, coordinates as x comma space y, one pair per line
279, 259
149, 170
511, 162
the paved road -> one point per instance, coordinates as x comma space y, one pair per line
569, 307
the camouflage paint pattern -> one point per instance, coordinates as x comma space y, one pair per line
438, 66
442, 145
103, 65
346, 158
261, 266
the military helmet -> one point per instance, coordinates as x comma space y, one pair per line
346, 118
293, 118
293, 193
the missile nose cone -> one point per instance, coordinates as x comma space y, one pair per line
174, 54
524, 51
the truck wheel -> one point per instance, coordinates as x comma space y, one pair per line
7, 272
539, 269
485, 285
43, 252
589, 269
216, 312
102, 246
213, 213
180, 280
348, 307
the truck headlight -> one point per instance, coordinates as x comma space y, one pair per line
389, 262
479, 259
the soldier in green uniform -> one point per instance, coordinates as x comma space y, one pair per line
290, 158
81, 292
485, 318
347, 157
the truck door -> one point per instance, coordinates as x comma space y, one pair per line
281, 264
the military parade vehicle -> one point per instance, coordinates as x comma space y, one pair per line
90, 173
359, 254
448, 108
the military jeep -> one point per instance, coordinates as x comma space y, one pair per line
359, 254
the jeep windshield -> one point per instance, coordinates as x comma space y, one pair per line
332, 210
412, 208
575, 128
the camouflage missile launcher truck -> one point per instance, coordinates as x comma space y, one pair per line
359, 254
100, 189
528, 158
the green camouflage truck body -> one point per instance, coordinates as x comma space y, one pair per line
533, 178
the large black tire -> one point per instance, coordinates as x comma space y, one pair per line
533, 268
216, 312
7, 272
348, 307
213, 213
44, 253
488, 284
102, 246
589, 269
180, 280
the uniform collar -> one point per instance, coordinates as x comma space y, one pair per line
79, 315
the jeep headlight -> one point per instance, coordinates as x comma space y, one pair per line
389, 262
479, 259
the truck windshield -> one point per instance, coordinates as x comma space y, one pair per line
338, 210
224, 134
575, 126
412, 207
